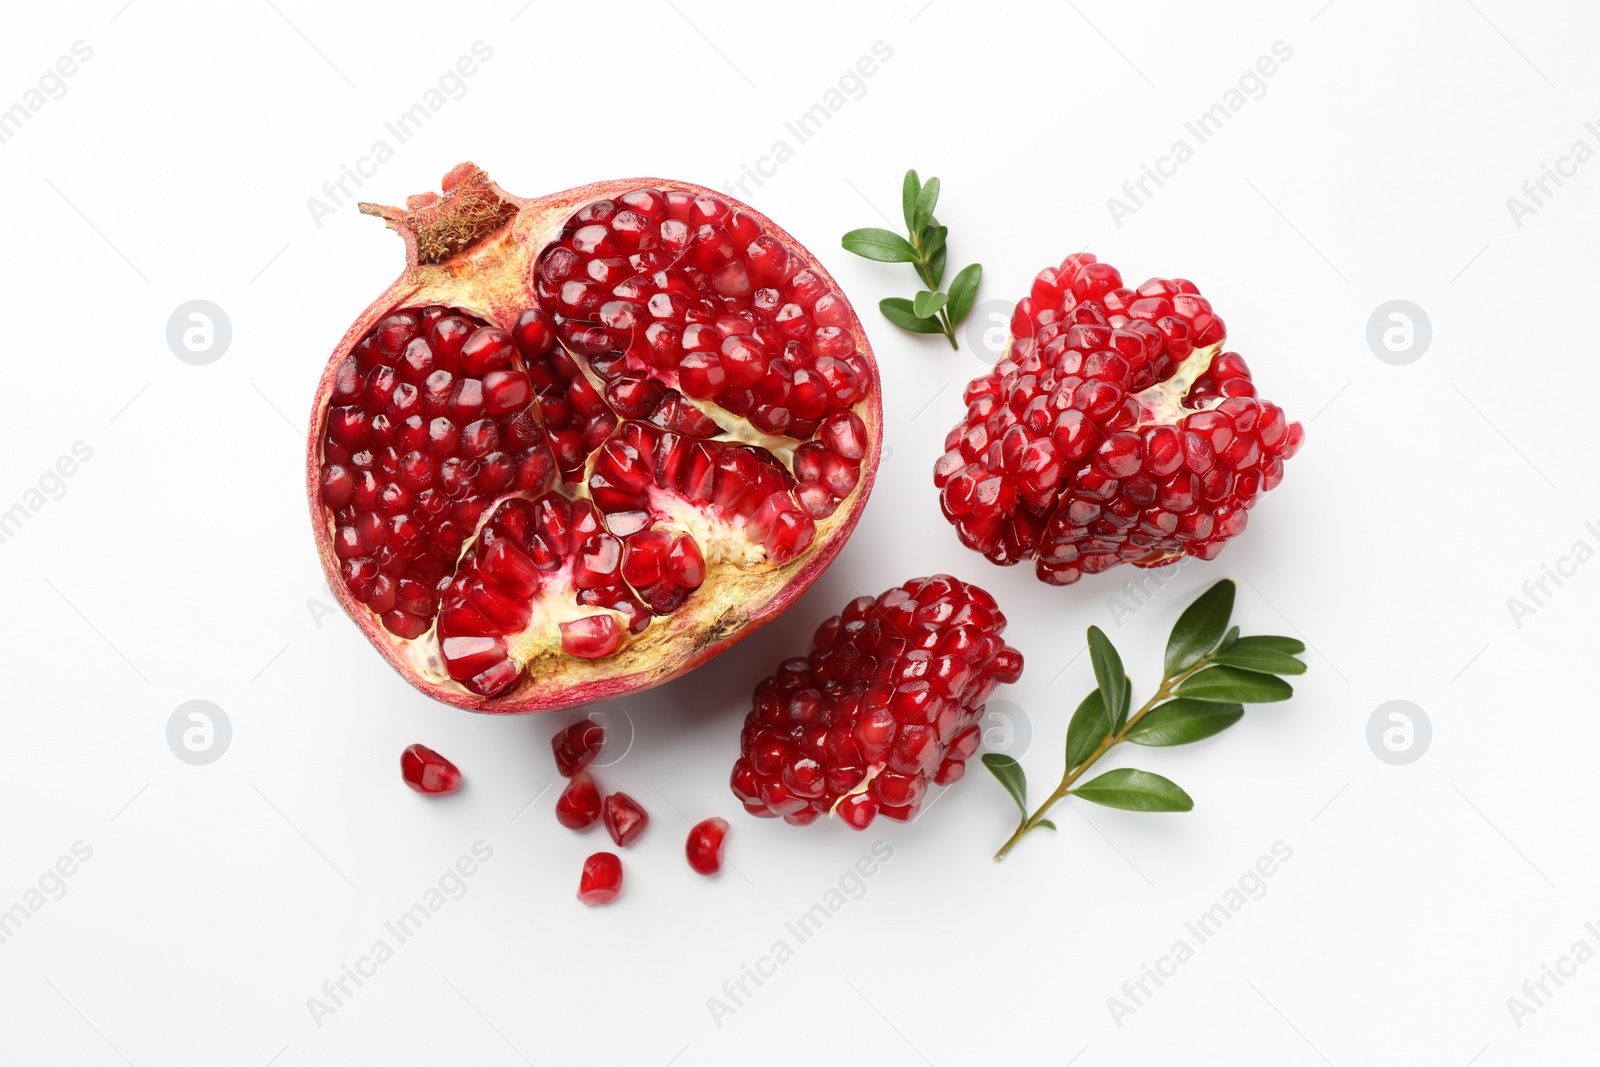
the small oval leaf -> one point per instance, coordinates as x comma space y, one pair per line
964, 292
1108, 673
897, 309
881, 245
1183, 721
1230, 685
1009, 771
927, 200
1200, 627
1259, 659
1276, 644
1089, 726
926, 305
908, 197
1134, 790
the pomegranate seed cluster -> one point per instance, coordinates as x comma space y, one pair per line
1114, 431
684, 393
887, 702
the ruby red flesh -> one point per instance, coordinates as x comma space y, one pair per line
704, 847
576, 746
1116, 430
887, 703
680, 376
578, 806
625, 820
601, 880
426, 771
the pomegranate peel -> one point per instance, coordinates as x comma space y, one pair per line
588, 440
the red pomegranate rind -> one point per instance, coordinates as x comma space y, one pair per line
1116, 430
887, 702
528, 498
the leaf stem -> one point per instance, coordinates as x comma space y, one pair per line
1169, 683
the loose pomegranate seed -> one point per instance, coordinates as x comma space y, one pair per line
578, 806
625, 820
704, 847
1114, 431
428, 772
601, 880
576, 746
887, 701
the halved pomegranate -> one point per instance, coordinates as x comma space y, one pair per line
586, 441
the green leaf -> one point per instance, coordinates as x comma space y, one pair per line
922, 214
1089, 726
1230, 685
1133, 790
964, 292
936, 260
897, 309
1044, 822
1182, 721
926, 305
1108, 673
1230, 638
908, 198
1009, 771
1259, 659
1199, 628
881, 245
1276, 644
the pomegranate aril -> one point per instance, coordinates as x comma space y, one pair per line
704, 847
576, 746
601, 880
625, 820
426, 771
578, 806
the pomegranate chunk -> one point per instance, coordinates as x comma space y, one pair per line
625, 820
621, 419
601, 880
1116, 430
888, 701
704, 847
428, 772
578, 806
577, 746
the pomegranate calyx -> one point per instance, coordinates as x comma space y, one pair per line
441, 226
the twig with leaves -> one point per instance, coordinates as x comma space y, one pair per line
930, 310
1210, 672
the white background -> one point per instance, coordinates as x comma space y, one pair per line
179, 563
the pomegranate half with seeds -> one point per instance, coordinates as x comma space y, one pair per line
1115, 430
587, 440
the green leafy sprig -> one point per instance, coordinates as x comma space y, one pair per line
1209, 673
931, 310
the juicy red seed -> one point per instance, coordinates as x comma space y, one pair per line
601, 880
576, 746
1078, 450
591, 637
625, 820
892, 692
428, 772
578, 806
704, 847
